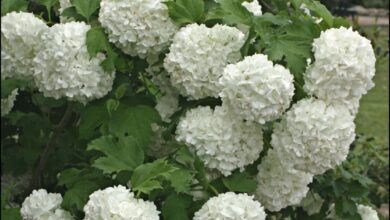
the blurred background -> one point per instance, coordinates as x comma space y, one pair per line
370, 153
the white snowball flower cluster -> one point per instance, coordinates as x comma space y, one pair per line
8, 103
312, 203
253, 7
279, 186
198, 56
365, 212
139, 27
344, 66
314, 136
257, 90
41, 205
231, 206
20, 40
221, 141
118, 203
63, 67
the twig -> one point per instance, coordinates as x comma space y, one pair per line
37, 173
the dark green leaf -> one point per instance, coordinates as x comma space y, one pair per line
71, 12
112, 105
76, 197
47, 3
175, 207
134, 121
235, 13
240, 182
91, 119
86, 7
8, 85
124, 154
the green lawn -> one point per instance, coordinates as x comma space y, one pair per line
373, 116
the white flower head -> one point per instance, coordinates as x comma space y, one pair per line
8, 103
257, 90
367, 213
198, 56
118, 203
231, 206
63, 67
314, 136
344, 66
221, 140
20, 41
279, 186
138, 27
253, 7
41, 205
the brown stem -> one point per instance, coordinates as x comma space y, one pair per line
37, 173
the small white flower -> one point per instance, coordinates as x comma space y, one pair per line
253, 7
256, 89
118, 203
221, 140
231, 206
8, 103
198, 56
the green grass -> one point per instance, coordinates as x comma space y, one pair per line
373, 116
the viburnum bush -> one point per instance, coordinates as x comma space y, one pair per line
180, 109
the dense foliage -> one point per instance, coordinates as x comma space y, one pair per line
144, 109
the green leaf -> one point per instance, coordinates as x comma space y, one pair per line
345, 207
240, 182
47, 3
11, 214
186, 11
71, 12
181, 180
146, 177
91, 119
13, 5
134, 121
8, 85
121, 90
315, 6
86, 7
112, 105
47, 102
124, 154
175, 207
97, 41
77, 196
235, 13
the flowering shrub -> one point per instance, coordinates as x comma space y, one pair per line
180, 109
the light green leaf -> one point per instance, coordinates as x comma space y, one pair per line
186, 11
97, 41
86, 7
112, 105
13, 5
11, 214
181, 180
240, 182
146, 177
124, 154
